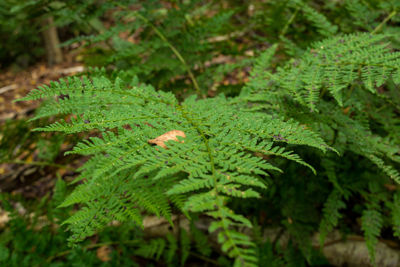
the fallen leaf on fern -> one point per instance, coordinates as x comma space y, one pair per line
171, 135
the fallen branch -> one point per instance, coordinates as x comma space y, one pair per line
7, 88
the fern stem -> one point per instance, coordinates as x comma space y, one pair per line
172, 47
354, 84
213, 171
176, 52
389, 17
290, 21
357, 63
90, 25
37, 163
204, 258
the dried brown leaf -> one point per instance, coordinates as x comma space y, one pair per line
103, 253
171, 135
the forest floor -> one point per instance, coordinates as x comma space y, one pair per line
23, 175
16, 84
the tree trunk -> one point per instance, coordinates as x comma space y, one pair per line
51, 41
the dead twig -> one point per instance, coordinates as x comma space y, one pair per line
7, 88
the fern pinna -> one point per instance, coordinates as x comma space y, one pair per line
224, 154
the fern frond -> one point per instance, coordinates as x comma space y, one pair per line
172, 247
184, 246
334, 64
218, 159
389, 170
342, 66
331, 214
371, 224
191, 184
396, 214
151, 250
77, 196
319, 21
201, 241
